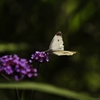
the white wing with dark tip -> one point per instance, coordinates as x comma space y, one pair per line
57, 47
57, 42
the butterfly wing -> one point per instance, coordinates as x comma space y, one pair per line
62, 53
57, 42
57, 47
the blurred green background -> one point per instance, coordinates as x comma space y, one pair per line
29, 25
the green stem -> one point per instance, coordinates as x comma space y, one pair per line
34, 80
15, 88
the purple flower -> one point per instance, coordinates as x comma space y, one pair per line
40, 56
19, 68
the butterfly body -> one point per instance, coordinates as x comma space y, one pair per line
57, 47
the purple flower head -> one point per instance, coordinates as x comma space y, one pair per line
40, 56
18, 67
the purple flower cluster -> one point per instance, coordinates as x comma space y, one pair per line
40, 56
19, 68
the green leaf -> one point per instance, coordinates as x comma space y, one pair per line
48, 89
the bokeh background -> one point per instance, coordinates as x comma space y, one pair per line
29, 25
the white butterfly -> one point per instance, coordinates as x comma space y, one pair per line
57, 47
